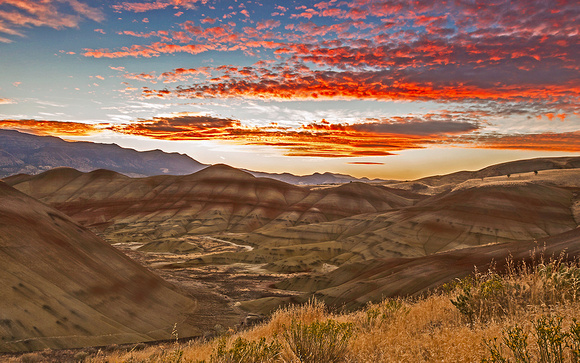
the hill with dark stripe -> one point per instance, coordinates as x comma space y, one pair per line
64, 287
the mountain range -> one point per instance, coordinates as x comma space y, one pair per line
32, 154
22, 153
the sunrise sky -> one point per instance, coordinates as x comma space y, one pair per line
389, 89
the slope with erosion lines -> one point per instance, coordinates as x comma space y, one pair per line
215, 200
477, 214
354, 285
64, 287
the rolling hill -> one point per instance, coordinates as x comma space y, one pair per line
63, 287
352, 286
520, 168
340, 229
215, 200
297, 229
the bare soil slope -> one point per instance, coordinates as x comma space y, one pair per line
215, 200
299, 229
64, 287
353, 285
477, 214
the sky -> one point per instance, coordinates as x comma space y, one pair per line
389, 89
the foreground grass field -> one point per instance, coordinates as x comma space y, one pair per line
526, 314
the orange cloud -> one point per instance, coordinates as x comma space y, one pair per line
428, 50
56, 14
548, 141
140, 7
374, 137
42, 127
371, 138
364, 163
181, 128
378, 85
268, 24
148, 51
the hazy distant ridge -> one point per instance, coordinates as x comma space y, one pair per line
22, 153
31, 154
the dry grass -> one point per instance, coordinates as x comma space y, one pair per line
430, 329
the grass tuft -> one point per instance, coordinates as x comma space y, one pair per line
527, 314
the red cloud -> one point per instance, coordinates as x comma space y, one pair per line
291, 83
52, 127
56, 14
504, 51
268, 24
364, 163
549, 141
148, 51
140, 7
372, 138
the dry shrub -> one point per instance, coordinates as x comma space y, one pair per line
81, 356
379, 315
318, 342
545, 341
243, 350
31, 358
162, 353
544, 284
426, 330
307, 313
445, 326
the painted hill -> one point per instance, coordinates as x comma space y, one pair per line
297, 229
64, 287
476, 213
300, 229
215, 200
354, 285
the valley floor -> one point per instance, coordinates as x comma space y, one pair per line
228, 283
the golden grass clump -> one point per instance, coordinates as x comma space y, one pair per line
527, 314
523, 287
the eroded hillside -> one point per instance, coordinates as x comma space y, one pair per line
64, 287
222, 222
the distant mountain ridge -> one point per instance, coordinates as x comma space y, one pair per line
22, 153
31, 154
312, 179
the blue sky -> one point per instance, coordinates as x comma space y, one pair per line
390, 89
